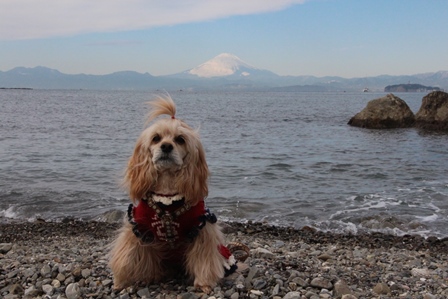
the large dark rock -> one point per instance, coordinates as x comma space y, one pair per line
384, 113
433, 113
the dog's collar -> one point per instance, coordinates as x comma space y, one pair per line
166, 199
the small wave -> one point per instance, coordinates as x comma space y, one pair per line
339, 227
10, 194
365, 207
341, 167
430, 218
375, 176
280, 165
320, 164
348, 227
9, 213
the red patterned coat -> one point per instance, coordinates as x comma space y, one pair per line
176, 225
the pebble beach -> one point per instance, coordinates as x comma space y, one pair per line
68, 259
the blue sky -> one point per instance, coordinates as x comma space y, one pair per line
347, 38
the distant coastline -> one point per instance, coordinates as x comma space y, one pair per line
253, 80
21, 88
410, 88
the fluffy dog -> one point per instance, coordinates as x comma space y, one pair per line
168, 225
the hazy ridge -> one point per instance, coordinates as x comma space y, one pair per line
224, 72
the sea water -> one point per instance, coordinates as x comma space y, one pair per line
284, 158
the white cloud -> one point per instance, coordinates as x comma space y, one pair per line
32, 19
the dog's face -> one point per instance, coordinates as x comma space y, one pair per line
168, 150
168, 145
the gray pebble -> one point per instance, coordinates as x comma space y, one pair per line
28, 272
72, 291
5, 247
300, 281
32, 291
56, 283
60, 277
321, 283
188, 295
279, 244
235, 296
311, 295
381, 289
240, 287
45, 271
144, 292
262, 253
48, 289
107, 282
259, 284
341, 288
85, 273
293, 295
275, 290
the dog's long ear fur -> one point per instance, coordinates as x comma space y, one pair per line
193, 177
140, 173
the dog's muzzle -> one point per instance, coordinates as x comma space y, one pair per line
166, 156
166, 150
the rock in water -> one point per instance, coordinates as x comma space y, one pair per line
384, 113
433, 113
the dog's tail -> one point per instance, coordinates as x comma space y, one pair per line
162, 104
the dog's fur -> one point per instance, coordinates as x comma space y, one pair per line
181, 171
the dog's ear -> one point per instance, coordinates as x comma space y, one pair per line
140, 173
194, 176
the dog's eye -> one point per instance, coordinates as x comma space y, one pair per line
179, 140
156, 138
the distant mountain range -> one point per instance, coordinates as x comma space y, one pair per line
224, 72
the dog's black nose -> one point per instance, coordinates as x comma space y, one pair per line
166, 147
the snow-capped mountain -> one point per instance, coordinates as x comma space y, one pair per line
224, 64
227, 65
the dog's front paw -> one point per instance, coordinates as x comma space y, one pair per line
117, 287
205, 289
